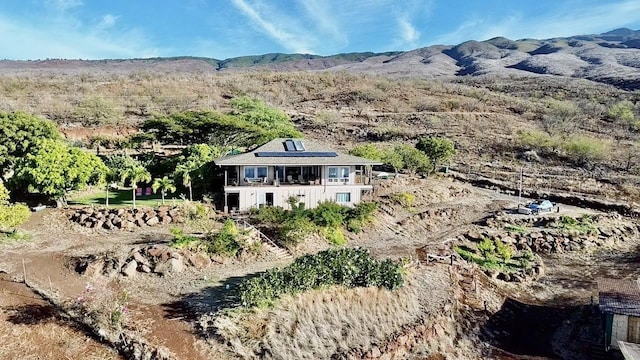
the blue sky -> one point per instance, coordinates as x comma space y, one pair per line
99, 29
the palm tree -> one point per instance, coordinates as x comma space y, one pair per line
165, 185
184, 171
110, 177
135, 175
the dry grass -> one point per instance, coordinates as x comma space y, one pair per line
323, 323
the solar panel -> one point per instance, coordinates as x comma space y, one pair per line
289, 145
297, 154
299, 146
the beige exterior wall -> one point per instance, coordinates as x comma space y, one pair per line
311, 195
619, 330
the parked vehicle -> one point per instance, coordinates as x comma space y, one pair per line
535, 207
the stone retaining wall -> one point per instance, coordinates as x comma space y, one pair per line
125, 218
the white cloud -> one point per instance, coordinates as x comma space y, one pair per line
408, 32
287, 39
566, 22
324, 15
65, 36
63, 5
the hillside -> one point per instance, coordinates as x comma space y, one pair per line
611, 57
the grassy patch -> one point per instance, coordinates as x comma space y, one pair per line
121, 198
492, 254
517, 229
580, 226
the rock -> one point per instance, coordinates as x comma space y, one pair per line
98, 224
121, 212
130, 268
402, 340
139, 222
155, 251
199, 261
179, 219
152, 221
107, 225
474, 236
421, 329
508, 240
145, 269
375, 352
535, 235
165, 219
175, 255
140, 259
94, 269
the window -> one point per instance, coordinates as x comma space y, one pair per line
339, 174
251, 172
343, 197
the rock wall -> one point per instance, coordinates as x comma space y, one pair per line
125, 218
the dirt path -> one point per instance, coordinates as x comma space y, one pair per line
31, 329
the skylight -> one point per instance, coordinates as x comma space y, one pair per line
293, 145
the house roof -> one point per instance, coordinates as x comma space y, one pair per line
619, 296
275, 153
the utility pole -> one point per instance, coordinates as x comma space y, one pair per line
520, 186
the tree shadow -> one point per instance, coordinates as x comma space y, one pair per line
209, 300
530, 330
31, 314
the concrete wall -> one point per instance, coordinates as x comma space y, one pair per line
619, 330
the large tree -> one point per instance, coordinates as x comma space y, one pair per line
53, 168
192, 164
19, 132
437, 149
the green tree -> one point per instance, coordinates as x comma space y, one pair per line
165, 185
393, 159
192, 164
54, 168
97, 111
413, 159
19, 132
560, 117
4, 194
135, 175
437, 149
368, 151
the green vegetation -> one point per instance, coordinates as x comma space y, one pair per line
581, 226
225, 242
368, 151
437, 149
117, 198
182, 241
193, 163
165, 185
403, 198
407, 157
623, 111
251, 122
295, 225
560, 117
20, 133
53, 169
11, 216
135, 175
581, 150
493, 254
517, 229
337, 267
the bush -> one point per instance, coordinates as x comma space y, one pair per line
584, 150
540, 141
334, 235
329, 214
295, 230
345, 267
11, 216
194, 210
182, 241
270, 215
225, 242
404, 198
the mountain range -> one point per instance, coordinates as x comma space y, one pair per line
612, 57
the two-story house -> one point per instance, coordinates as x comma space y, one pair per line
283, 168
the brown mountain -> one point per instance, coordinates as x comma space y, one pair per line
612, 57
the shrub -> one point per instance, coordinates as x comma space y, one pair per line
295, 230
225, 242
346, 267
11, 216
329, 214
503, 250
584, 150
540, 141
334, 235
194, 210
182, 241
404, 198
270, 215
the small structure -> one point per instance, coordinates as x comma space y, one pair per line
620, 306
284, 168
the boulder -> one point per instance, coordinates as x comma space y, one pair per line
165, 219
474, 236
130, 269
155, 251
199, 261
98, 224
145, 269
140, 259
152, 221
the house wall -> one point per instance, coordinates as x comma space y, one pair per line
271, 171
311, 195
619, 330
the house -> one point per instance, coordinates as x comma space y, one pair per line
283, 168
620, 306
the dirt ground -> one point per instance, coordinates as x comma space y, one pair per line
163, 310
